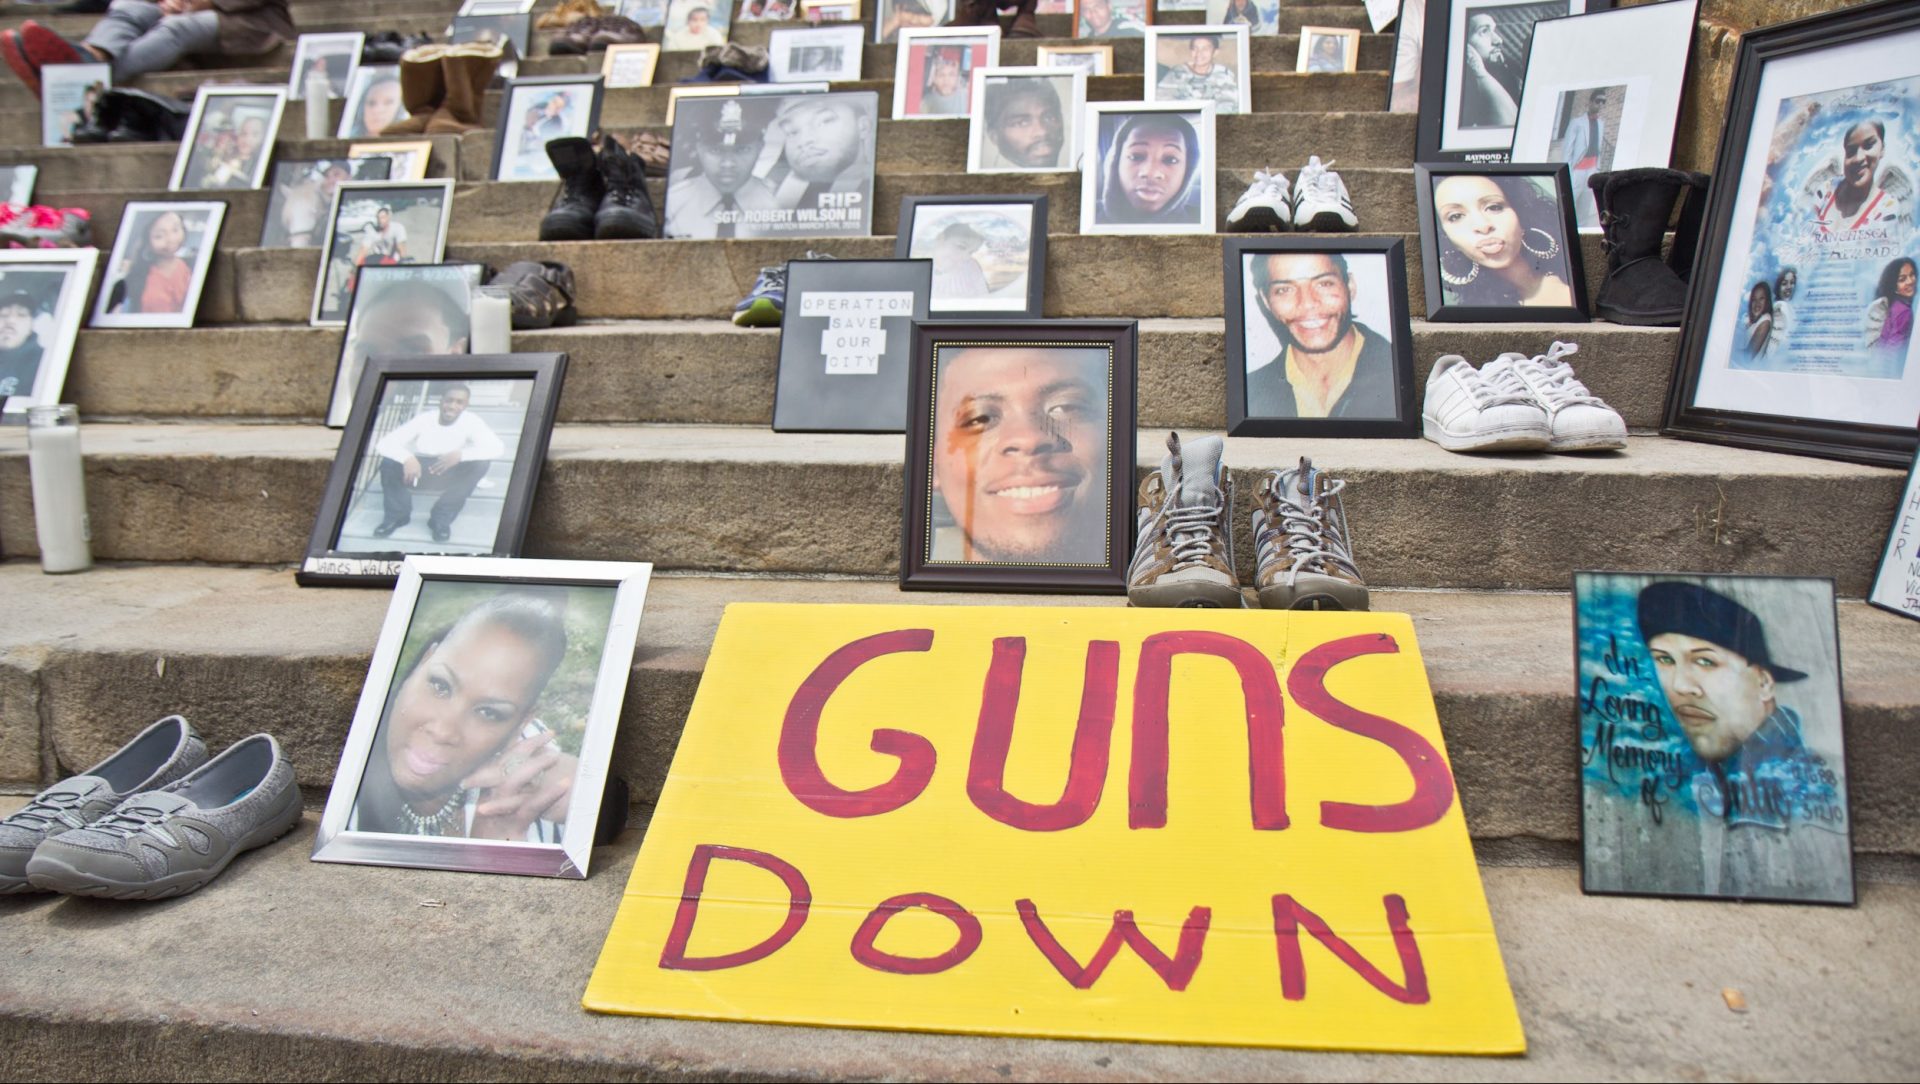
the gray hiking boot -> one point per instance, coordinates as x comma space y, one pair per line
1184, 553
1300, 531
158, 755
169, 842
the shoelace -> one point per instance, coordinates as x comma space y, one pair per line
1556, 382
1189, 531
129, 820
1320, 180
1315, 535
1502, 388
51, 808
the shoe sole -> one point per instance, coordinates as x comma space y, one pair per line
1326, 222
1588, 444
762, 313
72, 882
16, 58
1259, 220
1499, 440
18, 886
1325, 595
1188, 596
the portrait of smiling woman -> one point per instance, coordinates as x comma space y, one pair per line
1498, 239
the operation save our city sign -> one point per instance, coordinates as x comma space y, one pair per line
1166, 825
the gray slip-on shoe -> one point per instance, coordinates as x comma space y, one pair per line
169, 842
163, 752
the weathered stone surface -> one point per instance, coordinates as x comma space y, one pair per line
20, 715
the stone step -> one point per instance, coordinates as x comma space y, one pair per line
1090, 275
747, 500
708, 372
361, 972
118, 645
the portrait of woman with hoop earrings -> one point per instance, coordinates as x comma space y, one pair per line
1501, 241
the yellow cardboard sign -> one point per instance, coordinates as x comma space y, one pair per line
1172, 825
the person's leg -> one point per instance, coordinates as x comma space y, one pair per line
124, 23
396, 499
162, 46
461, 481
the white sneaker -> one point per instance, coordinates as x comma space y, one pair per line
1267, 204
1465, 411
1320, 200
1581, 420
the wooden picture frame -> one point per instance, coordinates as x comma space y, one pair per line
1311, 57
630, 65
1463, 287
990, 225
407, 159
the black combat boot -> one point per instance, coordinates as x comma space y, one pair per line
1635, 205
626, 212
581, 191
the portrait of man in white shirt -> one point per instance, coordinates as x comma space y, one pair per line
447, 449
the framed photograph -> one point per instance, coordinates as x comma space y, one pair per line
933, 70
1179, 5
1799, 330
407, 159
1020, 456
696, 24
17, 182
1328, 49
535, 111
1148, 168
410, 310
1026, 120
764, 11
648, 13
830, 11
1603, 93
1473, 71
376, 224
1318, 337
300, 193
815, 54
629, 65
1092, 59
495, 7
484, 730
67, 96
161, 255
773, 166
890, 17
229, 138
515, 32
1896, 583
373, 102
845, 344
1201, 64
1497, 242
1712, 758
440, 455
336, 56
989, 253
681, 93
1111, 18
43, 295
1403, 84
1258, 16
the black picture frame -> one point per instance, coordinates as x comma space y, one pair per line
1591, 695
1885, 445
345, 386
1392, 251
1435, 44
325, 565
814, 393
595, 86
1428, 174
1905, 530
919, 570
910, 207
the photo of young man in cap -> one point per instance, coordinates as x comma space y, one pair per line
20, 346
711, 191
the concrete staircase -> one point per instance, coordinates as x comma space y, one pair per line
206, 459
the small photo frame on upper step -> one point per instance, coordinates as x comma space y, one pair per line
372, 102
1328, 49
1603, 93
17, 182
43, 296
470, 8
1201, 63
629, 65
68, 94
161, 255
1712, 752
372, 224
1799, 323
989, 253
440, 456
1896, 583
513, 32
335, 56
536, 110
483, 734
933, 70
1260, 17
693, 25
812, 54
846, 341
229, 138
890, 17
1311, 314
1473, 69
1020, 456
1026, 120
407, 159
767, 11
1094, 59
1112, 18
1497, 242
410, 310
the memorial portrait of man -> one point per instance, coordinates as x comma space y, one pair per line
444, 449
1329, 364
709, 194
20, 346
797, 165
403, 312
1025, 123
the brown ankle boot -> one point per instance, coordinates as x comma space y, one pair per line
423, 86
469, 68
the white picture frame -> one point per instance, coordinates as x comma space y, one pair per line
1094, 58
542, 583
131, 263
56, 328
1186, 201
680, 33
381, 82
63, 99
199, 158
1260, 17
629, 65
332, 293
330, 48
979, 47
815, 53
494, 7
989, 146
1168, 60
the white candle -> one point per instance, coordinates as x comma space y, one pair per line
59, 488
317, 92
491, 321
